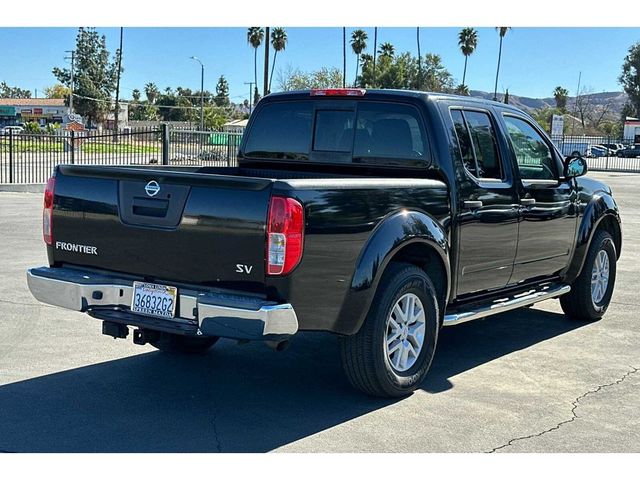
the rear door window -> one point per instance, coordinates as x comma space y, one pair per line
281, 130
477, 141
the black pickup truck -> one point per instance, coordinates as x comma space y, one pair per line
378, 215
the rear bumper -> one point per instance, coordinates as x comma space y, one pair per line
108, 297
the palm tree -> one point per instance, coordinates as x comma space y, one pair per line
255, 35
279, 43
468, 41
344, 57
387, 50
358, 45
419, 59
375, 49
152, 92
502, 31
560, 94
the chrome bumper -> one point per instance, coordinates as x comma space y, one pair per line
212, 314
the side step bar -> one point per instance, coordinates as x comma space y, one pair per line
505, 304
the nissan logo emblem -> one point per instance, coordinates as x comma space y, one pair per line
152, 188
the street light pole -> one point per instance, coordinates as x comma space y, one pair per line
201, 93
72, 58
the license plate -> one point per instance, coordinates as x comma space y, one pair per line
153, 299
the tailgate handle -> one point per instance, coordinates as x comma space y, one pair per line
150, 207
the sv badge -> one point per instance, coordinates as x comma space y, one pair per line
244, 268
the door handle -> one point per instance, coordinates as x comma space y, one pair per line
472, 204
527, 201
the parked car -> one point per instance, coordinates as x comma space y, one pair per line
630, 152
12, 129
613, 147
598, 151
380, 216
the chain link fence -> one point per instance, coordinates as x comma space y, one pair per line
30, 158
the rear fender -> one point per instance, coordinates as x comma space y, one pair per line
393, 233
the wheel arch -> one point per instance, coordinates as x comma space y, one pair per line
406, 236
601, 213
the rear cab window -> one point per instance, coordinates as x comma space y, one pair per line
364, 132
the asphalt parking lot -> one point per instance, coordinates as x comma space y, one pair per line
524, 381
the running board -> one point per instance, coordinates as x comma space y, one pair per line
504, 305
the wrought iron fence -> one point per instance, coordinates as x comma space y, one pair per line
602, 153
30, 158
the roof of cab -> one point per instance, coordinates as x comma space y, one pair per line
416, 94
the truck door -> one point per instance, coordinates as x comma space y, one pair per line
488, 204
548, 212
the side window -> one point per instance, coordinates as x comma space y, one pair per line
388, 130
477, 140
533, 155
333, 131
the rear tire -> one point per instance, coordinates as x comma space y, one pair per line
590, 293
387, 357
171, 343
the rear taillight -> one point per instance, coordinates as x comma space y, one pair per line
47, 212
285, 232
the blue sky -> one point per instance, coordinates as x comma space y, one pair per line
535, 60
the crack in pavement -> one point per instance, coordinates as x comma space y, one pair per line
215, 433
574, 415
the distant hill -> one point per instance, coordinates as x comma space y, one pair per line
528, 104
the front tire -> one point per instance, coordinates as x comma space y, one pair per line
172, 343
591, 292
392, 352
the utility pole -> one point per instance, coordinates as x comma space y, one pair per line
266, 61
117, 109
575, 105
250, 95
201, 93
72, 58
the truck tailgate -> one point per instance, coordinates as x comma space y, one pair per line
163, 224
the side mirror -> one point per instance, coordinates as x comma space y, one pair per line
575, 166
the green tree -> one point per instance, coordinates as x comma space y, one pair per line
13, 92
94, 76
630, 77
467, 41
214, 117
358, 45
57, 91
255, 35
502, 31
222, 92
506, 97
279, 43
298, 80
561, 95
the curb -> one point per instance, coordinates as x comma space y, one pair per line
22, 187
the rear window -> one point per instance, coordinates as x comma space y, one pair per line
282, 131
333, 131
388, 130
382, 133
